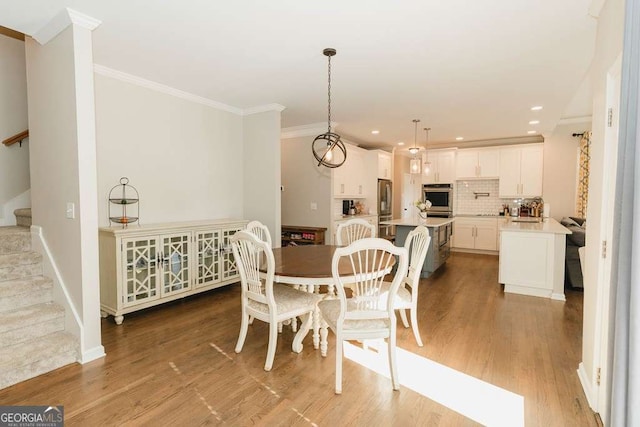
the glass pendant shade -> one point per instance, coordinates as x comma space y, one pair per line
414, 165
427, 164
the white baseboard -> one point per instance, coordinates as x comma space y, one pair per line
92, 354
589, 391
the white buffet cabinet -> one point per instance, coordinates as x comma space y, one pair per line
143, 266
532, 258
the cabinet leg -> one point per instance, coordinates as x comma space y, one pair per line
118, 319
103, 314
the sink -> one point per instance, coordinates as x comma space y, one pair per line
526, 219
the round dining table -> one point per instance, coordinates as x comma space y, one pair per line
309, 267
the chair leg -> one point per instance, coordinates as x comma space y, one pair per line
294, 324
338, 365
271, 349
392, 360
414, 326
403, 316
279, 327
244, 326
304, 329
251, 320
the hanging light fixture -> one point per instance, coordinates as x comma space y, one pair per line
427, 164
414, 164
328, 148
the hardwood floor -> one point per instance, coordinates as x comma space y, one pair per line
175, 365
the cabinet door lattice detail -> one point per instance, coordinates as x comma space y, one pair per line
229, 267
175, 263
141, 270
208, 262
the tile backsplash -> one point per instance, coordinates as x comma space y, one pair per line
466, 202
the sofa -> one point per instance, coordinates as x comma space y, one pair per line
575, 240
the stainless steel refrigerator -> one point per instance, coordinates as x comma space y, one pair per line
385, 201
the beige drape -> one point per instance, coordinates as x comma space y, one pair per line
583, 175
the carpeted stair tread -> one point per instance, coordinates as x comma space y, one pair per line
20, 266
14, 239
21, 258
32, 315
28, 359
24, 286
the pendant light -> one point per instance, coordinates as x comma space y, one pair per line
328, 148
414, 164
427, 165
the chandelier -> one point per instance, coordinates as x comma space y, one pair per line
328, 149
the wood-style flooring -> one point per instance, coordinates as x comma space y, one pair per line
175, 365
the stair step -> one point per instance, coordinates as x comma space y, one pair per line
30, 322
24, 292
31, 358
14, 239
23, 217
20, 265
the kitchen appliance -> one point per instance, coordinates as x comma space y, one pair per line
346, 205
441, 198
439, 248
384, 209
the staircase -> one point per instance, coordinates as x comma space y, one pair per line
32, 336
23, 217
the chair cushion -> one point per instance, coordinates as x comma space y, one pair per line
287, 300
403, 297
330, 310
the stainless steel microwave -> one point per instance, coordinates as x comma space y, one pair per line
441, 198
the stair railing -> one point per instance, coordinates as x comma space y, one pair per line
16, 138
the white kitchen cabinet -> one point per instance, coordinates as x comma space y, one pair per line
475, 233
349, 180
143, 266
384, 165
521, 171
442, 166
480, 163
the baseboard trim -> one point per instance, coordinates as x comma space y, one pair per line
589, 392
92, 354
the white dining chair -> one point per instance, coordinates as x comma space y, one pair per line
264, 300
354, 229
369, 314
417, 245
260, 230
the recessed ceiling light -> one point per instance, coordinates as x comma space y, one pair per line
400, 143
536, 108
531, 132
459, 138
375, 132
534, 122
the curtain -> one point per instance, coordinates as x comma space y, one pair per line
625, 393
583, 175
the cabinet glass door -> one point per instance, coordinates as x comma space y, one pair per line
140, 270
208, 257
175, 263
229, 267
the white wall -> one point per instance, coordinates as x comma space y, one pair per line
560, 169
608, 48
183, 157
304, 183
14, 160
260, 172
63, 168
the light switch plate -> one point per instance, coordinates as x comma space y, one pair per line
71, 210
314, 206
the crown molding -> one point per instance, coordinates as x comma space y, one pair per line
138, 81
311, 129
263, 109
61, 21
572, 120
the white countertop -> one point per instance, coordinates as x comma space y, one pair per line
429, 222
548, 225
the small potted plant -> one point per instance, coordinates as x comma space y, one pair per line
423, 206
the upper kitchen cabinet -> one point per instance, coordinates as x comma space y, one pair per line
442, 168
384, 165
521, 171
350, 179
477, 163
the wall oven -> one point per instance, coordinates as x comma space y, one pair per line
441, 198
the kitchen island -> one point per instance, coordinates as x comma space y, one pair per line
439, 247
532, 258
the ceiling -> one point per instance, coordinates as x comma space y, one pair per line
463, 67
